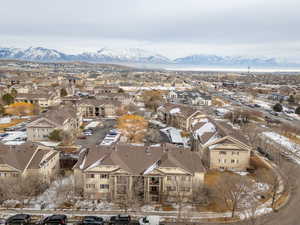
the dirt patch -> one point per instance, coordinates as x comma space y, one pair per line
257, 162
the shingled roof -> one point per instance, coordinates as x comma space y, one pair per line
137, 159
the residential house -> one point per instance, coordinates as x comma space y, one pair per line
123, 171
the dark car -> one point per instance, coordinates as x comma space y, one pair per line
55, 220
92, 220
19, 219
120, 220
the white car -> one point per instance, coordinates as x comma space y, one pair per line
149, 220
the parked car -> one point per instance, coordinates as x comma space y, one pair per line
88, 133
3, 135
92, 220
120, 220
81, 137
19, 219
55, 220
149, 220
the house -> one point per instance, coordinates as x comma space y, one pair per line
64, 118
122, 171
28, 159
179, 116
98, 108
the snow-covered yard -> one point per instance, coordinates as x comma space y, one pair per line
289, 148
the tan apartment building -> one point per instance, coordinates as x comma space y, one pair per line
64, 118
98, 108
28, 159
220, 146
179, 116
126, 171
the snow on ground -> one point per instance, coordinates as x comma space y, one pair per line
14, 142
49, 143
263, 104
5, 120
289, 148
13, 135
50, 198
294, 115
283, 141
158, 123
92, 125
221, 111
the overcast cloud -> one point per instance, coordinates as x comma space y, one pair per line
171, 27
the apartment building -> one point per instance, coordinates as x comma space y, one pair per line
98, 108
154, 173
64, 117
28, 159
179, 116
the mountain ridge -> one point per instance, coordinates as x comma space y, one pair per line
136, 55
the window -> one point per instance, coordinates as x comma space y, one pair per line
232, 161
185, 188
169, 178
90, 175
235, 153
89, 186
171, 188
222, 153
104, 186
104, 176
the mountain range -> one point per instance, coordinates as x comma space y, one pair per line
136, 55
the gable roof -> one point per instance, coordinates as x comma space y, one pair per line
137, 159
26, 156
226, 143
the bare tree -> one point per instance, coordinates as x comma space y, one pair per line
232, 189
267, 176
179, 191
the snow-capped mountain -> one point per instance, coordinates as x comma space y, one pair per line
136, 56
10, 52
43, 54
33, 54
226, 61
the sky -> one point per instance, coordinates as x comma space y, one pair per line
174, 28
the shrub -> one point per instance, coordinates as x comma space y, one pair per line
277, 107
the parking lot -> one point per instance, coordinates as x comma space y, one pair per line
98, 133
